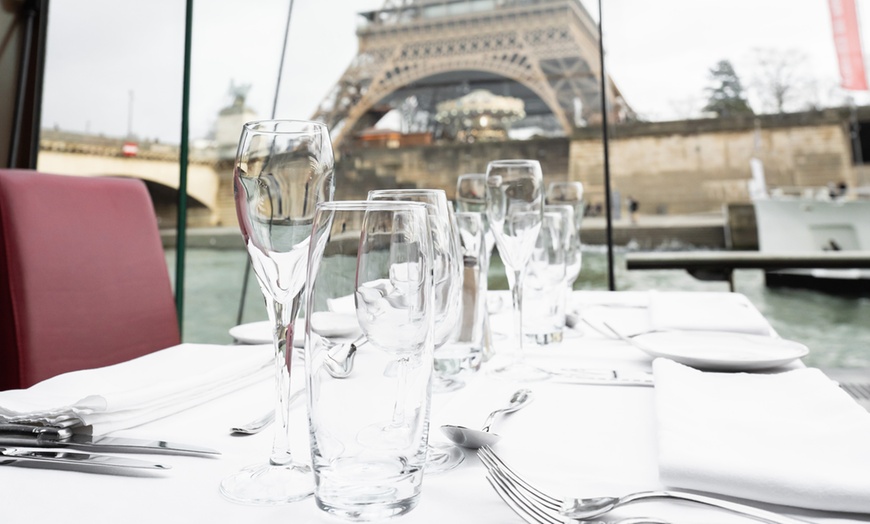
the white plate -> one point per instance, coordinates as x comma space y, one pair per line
330, 324
253, 333
721, 350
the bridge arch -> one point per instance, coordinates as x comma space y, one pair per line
203, 180
517, 71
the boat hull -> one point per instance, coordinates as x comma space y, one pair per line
802, 225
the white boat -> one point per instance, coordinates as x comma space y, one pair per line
810, 220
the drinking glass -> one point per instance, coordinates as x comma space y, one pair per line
447, 283
467, 350
369, 431
571, 243
544, 291
447, 258
471, 198
568, 193
283, 169
514, 207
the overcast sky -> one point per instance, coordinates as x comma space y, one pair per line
108, 56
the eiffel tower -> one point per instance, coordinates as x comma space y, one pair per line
544, 52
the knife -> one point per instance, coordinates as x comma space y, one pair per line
603, 377
29, 436
8, 455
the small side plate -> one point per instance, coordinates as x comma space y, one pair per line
721, 350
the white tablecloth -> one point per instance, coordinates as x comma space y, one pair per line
573, 439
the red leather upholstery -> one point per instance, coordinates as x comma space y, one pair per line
83, 278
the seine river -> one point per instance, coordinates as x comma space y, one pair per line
836, 329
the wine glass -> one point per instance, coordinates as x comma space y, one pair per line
514, 207
571, 243
369, 431
447, 283
283, 169
568, 193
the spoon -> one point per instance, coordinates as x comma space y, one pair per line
474, 438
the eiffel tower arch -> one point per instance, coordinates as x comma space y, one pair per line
542, 51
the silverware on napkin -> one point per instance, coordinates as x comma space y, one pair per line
40, 436
73, 458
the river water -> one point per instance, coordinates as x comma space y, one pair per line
836, 329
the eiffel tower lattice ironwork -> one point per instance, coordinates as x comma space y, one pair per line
543, 51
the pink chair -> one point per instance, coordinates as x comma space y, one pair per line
83, 278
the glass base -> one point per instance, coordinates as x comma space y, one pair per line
443, 457
267, 484
370, 488
545, 339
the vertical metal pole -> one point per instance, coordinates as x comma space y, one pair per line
611, 280
181, 237
247, 275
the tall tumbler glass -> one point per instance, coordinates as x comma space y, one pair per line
544, 290
467, 350
514, 207
369, 431
448, 269
571, 242
284, 168
447, 283
471, 198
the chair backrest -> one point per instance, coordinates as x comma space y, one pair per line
83, 276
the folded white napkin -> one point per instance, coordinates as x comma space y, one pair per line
140, 390
705, 311
793, 438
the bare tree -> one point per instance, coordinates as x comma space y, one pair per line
782, 81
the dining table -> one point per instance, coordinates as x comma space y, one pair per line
592, 429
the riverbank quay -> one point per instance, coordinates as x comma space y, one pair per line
707, 231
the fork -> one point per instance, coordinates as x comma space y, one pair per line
532, 513
557, 510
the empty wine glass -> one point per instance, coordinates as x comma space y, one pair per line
283, 169
514, 207
571, 243
568, 193
369, 431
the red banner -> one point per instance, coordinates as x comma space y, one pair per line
847, 40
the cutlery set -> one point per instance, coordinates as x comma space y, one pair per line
59, 445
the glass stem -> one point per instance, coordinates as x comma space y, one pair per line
282, 318
401, 386
517, 295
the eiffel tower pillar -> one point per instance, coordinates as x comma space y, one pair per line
544, 50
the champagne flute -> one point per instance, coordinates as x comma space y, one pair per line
283, 169
514, 207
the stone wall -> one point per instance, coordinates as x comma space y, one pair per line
698, 166
685, 167
439, 166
